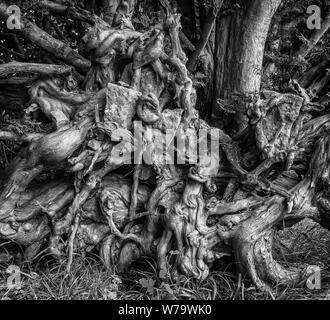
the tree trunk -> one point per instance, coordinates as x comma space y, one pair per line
240, 42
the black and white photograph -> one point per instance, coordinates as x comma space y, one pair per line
164, 156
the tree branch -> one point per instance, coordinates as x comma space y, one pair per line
44, 69
72, 12
45, 41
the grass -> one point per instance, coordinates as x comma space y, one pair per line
89, 280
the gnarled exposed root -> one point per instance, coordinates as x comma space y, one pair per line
252, 244
167, 209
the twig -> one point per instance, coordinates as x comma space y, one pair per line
58, 31
72, 240
19, 55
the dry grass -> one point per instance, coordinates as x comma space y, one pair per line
89, 280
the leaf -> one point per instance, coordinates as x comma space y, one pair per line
112, 295
113, 287
116, 280
148, 284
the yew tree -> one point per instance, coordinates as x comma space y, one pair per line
245, 83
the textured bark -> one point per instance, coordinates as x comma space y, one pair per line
17, 67
240, 42
220, 201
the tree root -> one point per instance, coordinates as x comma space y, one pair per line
185, 216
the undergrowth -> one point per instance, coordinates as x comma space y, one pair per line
89, 280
